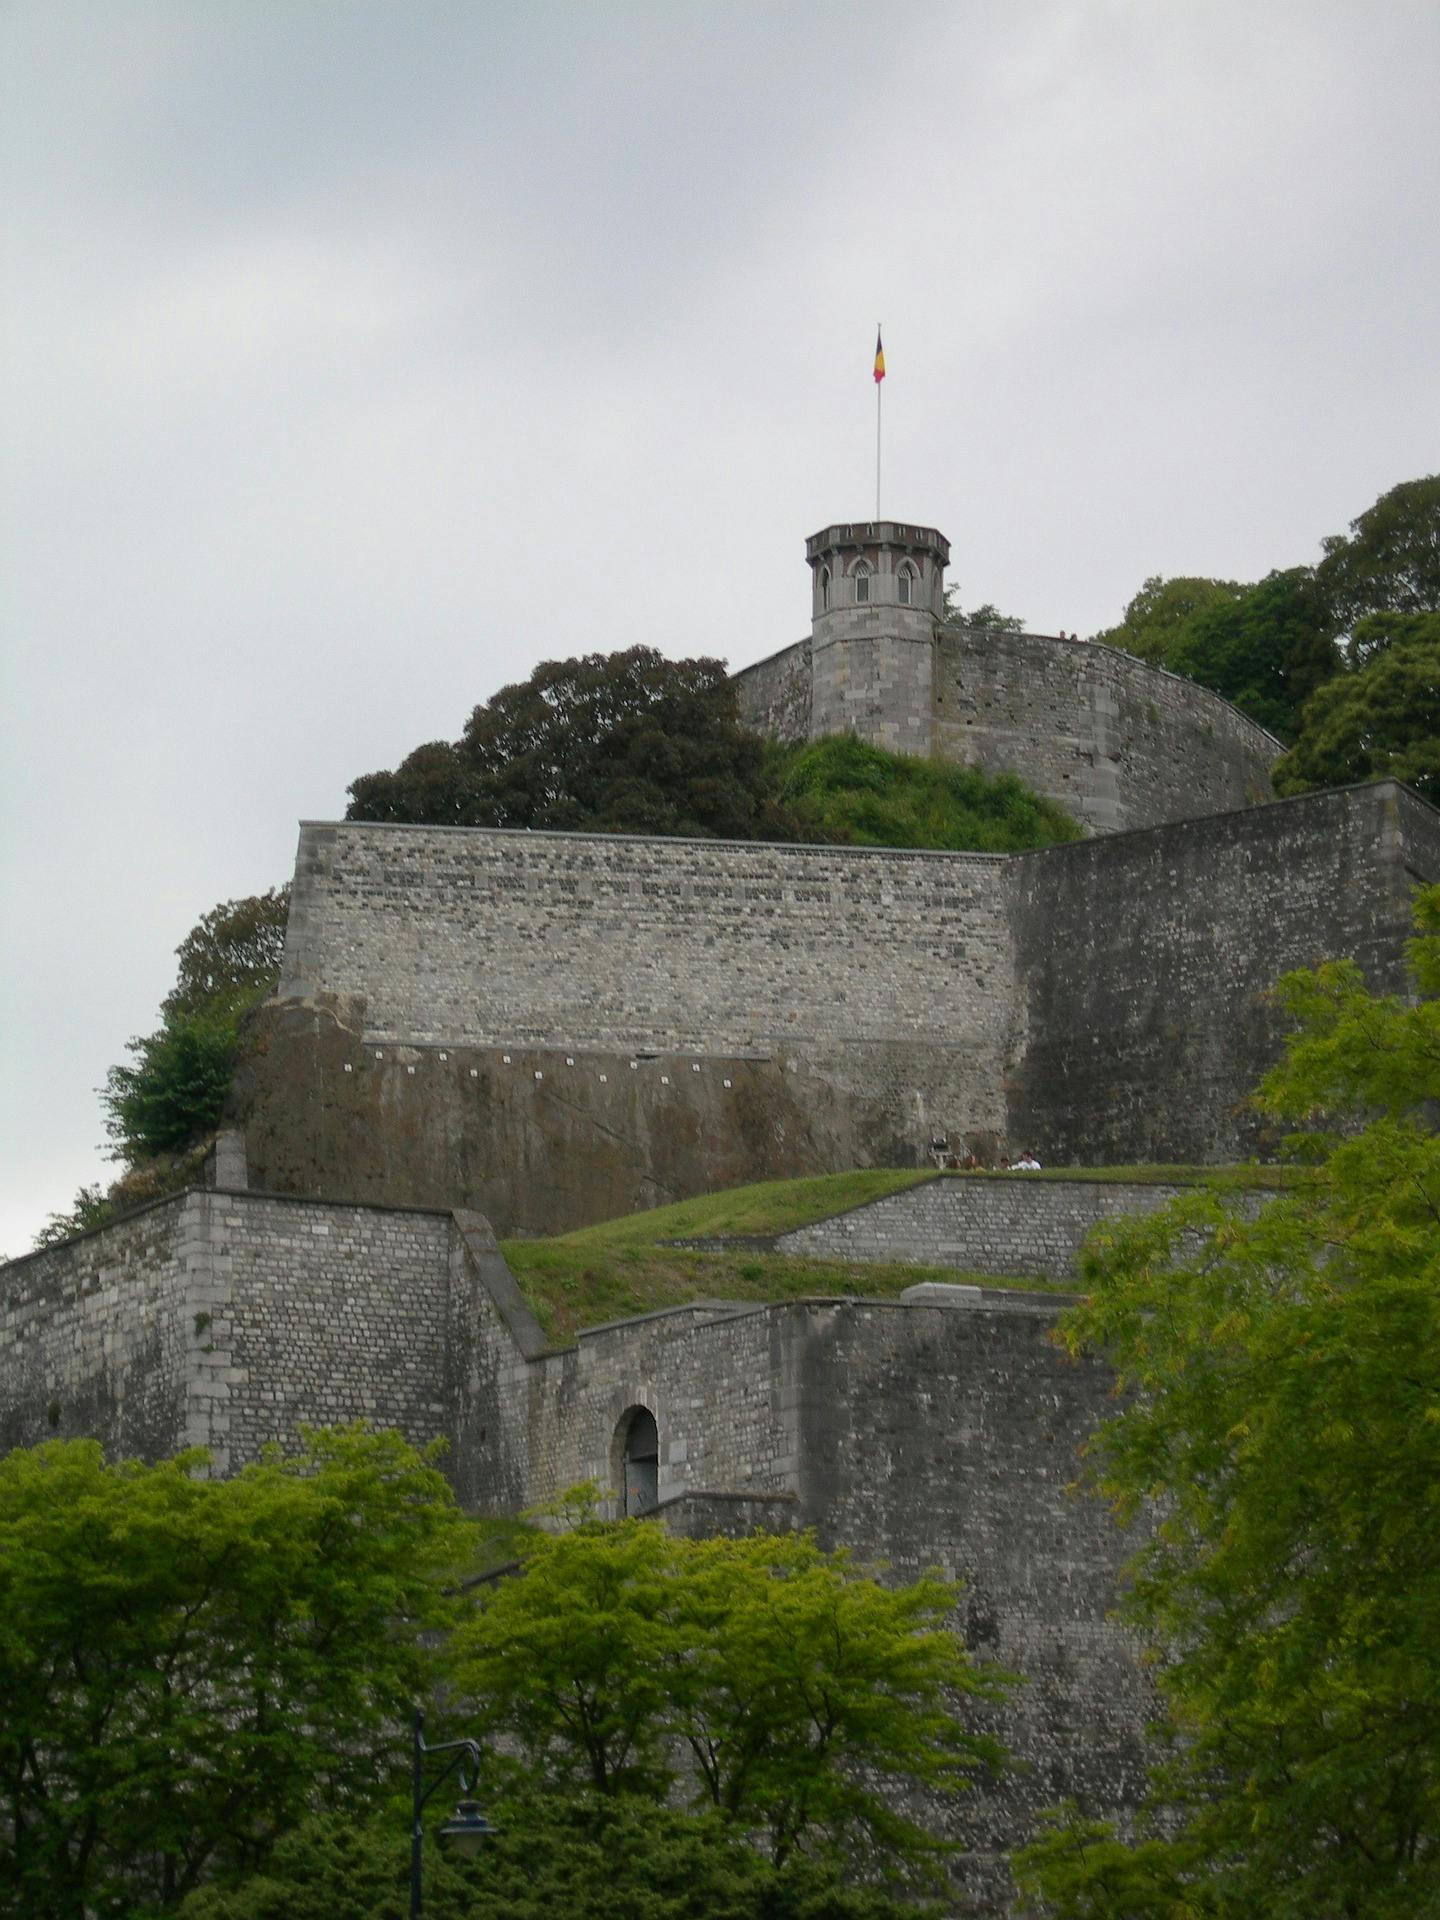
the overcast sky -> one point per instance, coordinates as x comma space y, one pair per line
359, 356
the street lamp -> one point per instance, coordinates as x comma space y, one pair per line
467, 1830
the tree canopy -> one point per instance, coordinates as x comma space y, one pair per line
772, 1683
1390, 560
1161, 612
1382, 720
610, 743
190, 1666
1281, 1435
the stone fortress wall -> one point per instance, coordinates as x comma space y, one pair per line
556, 1028
1117, 742
915, 1434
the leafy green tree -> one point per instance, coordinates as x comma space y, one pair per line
1267, 651
1281, 1431
847, 792
987, 615
610, 743
91, 1208
189, 1666
587, 1857
1390, 562
1382, 720
1157, 620
173, 1094
774, 1683
231, 956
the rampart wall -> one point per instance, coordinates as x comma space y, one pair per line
554, 1029
1000, 1224
1146, 961
225, 1320
1116, 741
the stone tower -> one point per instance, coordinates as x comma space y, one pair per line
878, 597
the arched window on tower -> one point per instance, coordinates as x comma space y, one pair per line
905, 585
639, 1462
862, 583
824, 588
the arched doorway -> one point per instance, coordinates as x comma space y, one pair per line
639, 1462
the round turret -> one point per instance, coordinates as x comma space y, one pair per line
878, 598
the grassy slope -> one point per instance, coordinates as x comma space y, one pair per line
620, 1267
846, 791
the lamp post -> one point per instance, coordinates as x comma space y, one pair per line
467, 1829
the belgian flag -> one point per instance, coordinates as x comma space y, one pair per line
879, 359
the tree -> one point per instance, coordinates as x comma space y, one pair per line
1159, 616
1383, 720
1390, 563
796, 1689
189, 1666
173, 1095
231, 956
986, 615
1267, 651
161, 1108
619, 743
1281, 1430
588, 1857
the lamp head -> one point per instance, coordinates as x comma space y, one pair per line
467, 1831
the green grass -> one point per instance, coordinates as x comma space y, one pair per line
844, 791
621, 1267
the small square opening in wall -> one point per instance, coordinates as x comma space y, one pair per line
695, 1066
664, 1079
538, 1074
379, 1053
348, 1067
603, 1078
444, 1056
409, 1069
474, 1073
728, 1083
506, 1058
569, 1060
634, 1066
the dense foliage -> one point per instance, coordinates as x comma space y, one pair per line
1273, 646
607, 743
578, 1857
163, 1105
845, 791
205, 1686
772, 1683
190, 1666
1390, 561
1382, 720
1282, 1437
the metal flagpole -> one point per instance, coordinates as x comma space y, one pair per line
879, 393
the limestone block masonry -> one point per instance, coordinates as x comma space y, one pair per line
559, 1028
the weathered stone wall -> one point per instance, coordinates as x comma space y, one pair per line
1146, 962
1116, 741
980, 1223
556, 1028
774, 694
935, 1437
611, 942
97, 1336
225, 1320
